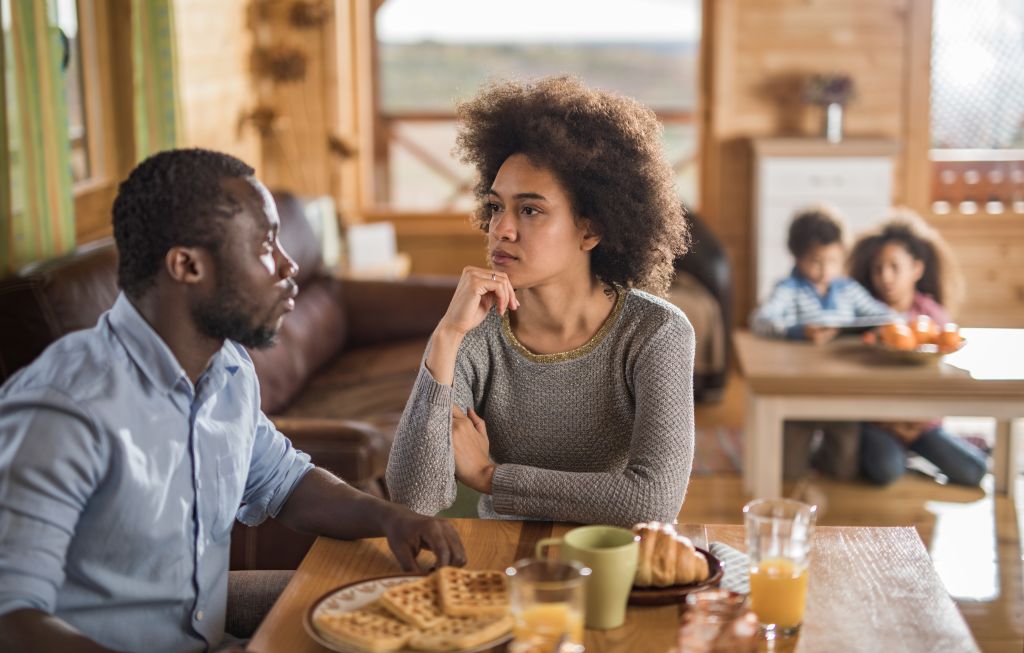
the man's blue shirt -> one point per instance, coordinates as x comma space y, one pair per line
120, 481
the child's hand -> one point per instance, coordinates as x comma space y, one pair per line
820, 335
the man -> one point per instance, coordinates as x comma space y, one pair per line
127, 451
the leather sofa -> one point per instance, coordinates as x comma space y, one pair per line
337, 380
707, 264
335, 383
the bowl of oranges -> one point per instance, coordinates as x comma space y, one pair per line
922, 341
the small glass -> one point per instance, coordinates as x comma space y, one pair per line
778, 542
717, 621
547, 606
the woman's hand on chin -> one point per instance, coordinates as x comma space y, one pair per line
473, 464
479, 289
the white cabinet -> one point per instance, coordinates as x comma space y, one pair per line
790, 174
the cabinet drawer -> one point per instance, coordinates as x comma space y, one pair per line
821, 177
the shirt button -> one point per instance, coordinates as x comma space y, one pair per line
199, 615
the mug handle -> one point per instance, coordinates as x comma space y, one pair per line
546, 542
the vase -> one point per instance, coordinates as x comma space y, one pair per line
834, 122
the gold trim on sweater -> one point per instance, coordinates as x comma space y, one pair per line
582, 350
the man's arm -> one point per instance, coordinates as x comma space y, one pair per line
34, 630
323, 504
52, 461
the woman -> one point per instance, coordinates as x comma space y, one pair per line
552, 385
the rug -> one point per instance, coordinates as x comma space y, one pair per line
719, 449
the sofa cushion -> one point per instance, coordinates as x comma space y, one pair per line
310, 336
370, 384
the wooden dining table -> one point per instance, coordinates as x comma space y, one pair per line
846, 380
871, 590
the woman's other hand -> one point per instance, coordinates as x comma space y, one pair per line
473, 464
479, 289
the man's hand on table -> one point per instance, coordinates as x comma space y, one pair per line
323, 504
408, 533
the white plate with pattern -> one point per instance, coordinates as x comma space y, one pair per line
361, 593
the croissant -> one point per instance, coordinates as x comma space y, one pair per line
667, 558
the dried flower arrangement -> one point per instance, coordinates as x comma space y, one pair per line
825, 89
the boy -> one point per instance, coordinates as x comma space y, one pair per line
816, 296
808, 305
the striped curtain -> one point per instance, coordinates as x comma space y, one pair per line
36, 208
155, 88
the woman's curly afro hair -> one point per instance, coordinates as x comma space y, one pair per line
606, 151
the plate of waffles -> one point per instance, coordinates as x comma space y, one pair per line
454, 610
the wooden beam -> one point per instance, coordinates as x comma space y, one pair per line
917, 108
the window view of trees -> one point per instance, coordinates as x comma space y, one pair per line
427, 62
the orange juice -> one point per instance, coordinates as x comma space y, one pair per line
778, 592
540, 627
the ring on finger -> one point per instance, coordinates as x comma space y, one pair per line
493, 276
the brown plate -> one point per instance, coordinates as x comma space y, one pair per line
677, 593
920, 355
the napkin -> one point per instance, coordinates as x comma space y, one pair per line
736, 567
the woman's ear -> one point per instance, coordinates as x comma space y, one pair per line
188, 265
591, 236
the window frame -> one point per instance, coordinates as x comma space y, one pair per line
371, 175
104, 28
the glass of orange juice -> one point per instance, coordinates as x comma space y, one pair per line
779, 542
547, 606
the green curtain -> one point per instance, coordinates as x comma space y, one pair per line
155, 88
36, 207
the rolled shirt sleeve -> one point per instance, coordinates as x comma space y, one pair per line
275, 469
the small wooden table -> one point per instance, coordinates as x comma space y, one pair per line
871, 590
846, 380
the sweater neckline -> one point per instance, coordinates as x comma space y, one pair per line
582, 350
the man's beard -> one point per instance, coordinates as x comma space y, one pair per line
229, 315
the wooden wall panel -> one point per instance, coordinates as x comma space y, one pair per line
761, 51
214, 44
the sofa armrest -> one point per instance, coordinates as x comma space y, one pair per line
355, 451
384, 311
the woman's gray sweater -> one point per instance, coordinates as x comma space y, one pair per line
602, 434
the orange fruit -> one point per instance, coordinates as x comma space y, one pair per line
950, 338
926, 330
898, 336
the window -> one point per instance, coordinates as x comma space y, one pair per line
977, 107
67, 22
432, 54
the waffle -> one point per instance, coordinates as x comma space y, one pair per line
472, 593
458, 633
371, 628
415, 602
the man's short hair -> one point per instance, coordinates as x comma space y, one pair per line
813, 228
173, 198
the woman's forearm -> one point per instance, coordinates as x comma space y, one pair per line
421, 466
444, 349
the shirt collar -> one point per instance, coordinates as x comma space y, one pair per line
152, 355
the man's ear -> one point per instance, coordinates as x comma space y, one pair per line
591, 236
188, 265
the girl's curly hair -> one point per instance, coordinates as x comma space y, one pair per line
941, 279
606, 151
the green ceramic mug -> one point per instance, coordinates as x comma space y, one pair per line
611, 554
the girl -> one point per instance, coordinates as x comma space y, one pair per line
553, 385
906, 264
